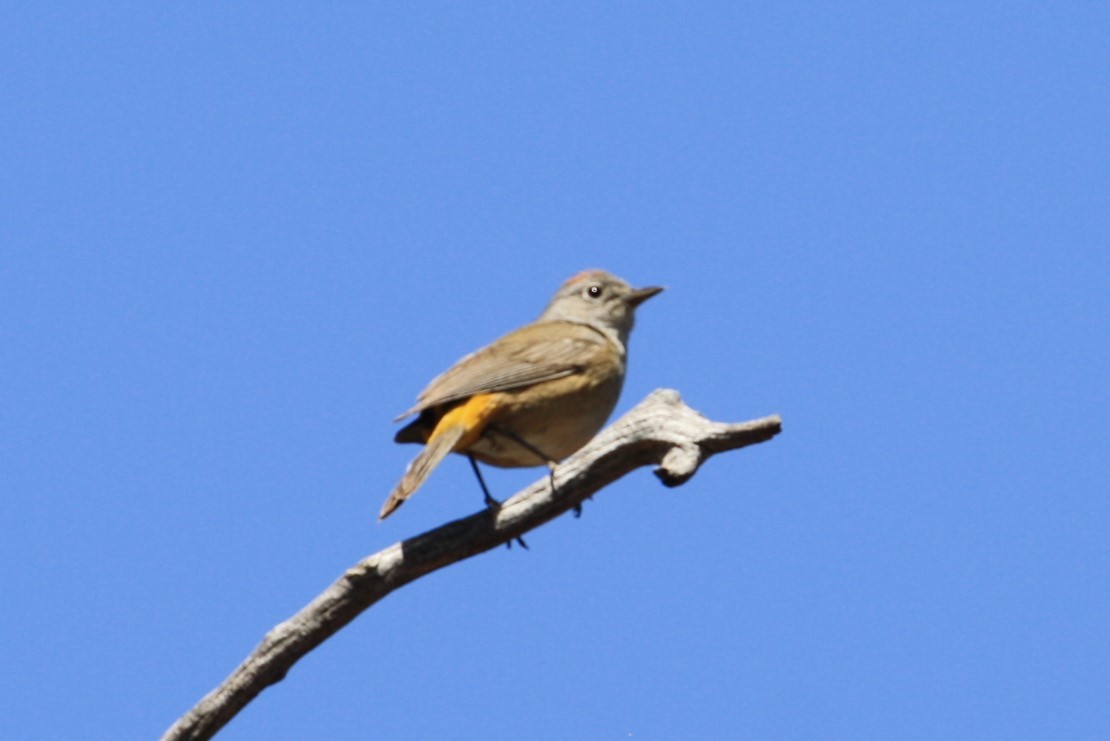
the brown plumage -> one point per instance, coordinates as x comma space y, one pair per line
535, 395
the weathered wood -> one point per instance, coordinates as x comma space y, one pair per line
661, 430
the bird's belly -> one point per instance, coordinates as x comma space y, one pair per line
541, 424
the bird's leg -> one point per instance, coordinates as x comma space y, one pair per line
490, 501
551, 463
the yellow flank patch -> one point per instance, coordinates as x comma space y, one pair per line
472, 415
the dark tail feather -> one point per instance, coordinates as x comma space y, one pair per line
422, 465
418, 430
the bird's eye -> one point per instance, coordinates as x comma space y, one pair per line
593, 291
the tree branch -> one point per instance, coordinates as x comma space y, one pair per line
660, 430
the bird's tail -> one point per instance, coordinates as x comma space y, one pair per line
455, 430
442, 442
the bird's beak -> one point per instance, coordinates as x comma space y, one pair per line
640, 295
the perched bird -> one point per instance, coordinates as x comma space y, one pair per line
535, 395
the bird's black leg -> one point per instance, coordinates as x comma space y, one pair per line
551, 463
490, 501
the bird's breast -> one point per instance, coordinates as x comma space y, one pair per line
554, 418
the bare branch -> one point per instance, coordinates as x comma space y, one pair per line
660, 430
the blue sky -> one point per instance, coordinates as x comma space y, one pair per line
238, 240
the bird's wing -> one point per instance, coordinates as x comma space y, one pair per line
532, 354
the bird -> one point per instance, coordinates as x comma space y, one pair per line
532, 397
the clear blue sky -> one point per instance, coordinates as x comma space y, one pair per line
236, 241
